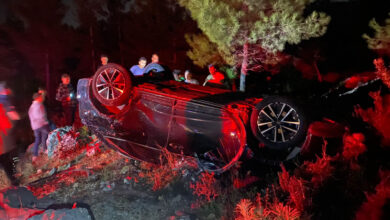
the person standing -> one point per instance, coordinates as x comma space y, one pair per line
155, 58
138, 70
103, 59
8, 148
67, 96
39, 123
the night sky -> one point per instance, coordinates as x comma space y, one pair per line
42, 39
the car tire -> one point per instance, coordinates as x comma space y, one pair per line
278, 123
111, 85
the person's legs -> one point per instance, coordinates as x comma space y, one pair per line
38, 140
69, 114
44, 134
74, 111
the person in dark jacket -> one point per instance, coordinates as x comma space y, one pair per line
67, 96
8, 148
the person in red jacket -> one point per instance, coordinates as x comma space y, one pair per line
215, 76
8, 148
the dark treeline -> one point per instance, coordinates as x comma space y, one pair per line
40, 40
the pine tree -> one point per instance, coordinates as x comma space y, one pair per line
380, 42
250, 33
203, 51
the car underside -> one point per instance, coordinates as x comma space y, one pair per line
213, 125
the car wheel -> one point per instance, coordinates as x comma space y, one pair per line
111, 85
278, 123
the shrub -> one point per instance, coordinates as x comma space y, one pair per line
353, 146
321, 169
170, 168
378, 116
261, 209
206, 187
294, 187
372, 208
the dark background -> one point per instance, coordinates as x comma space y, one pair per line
36, 47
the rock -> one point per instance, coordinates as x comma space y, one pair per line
211, 217
126, 181
176, 199
60, 138
63, 214
103, 184
125, 169
108, 187
20, 197
135, 163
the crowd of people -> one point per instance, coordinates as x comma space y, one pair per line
40, 124
215, 78
66, 96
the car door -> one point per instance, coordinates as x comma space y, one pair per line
155, 113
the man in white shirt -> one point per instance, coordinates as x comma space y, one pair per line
189, 79
39, 123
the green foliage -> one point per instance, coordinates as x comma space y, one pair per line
271, 24
203, 51
230, 72
218, 21
380, 42
287, 26
84, 136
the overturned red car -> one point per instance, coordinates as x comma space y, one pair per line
141, 116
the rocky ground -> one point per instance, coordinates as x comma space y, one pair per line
94, 182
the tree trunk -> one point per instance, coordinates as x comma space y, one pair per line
319, 76
244, 67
